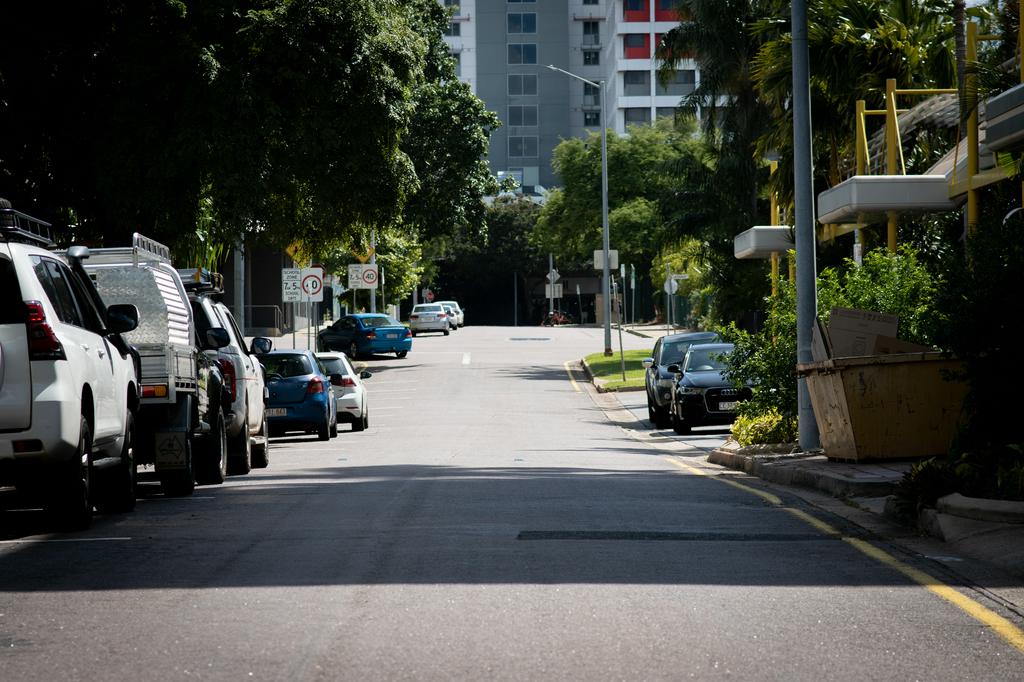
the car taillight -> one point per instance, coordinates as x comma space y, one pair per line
230, 377
43, 344
348, 381
408, 333
414, 317
315, 386
371, 335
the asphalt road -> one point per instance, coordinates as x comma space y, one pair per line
497, 521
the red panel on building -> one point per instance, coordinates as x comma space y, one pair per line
636, 10
637, 45
664, 10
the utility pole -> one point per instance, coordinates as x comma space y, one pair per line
551, 283
373, 261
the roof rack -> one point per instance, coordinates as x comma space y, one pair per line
16, 226
143, 250
201, 280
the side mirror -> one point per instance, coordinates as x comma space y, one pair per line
647, 363
217, 337
261, 345
674, 369
121, 317
365, 375
336, 379
78, 253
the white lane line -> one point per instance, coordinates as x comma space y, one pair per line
465, 358
35, 541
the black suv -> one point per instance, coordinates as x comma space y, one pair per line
669, 350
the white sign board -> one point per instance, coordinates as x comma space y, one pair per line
553, 276
362, 276
312, 284
291, 285
557, 294
671, 286
613, 259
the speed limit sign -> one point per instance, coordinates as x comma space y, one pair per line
312, 284
370, 276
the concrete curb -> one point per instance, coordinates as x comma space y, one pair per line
998, 511
786, 469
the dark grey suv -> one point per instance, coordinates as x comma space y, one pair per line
669, 350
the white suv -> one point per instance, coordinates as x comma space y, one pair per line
68, 387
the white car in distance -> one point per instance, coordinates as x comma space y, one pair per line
460, 314
349, 393
429, 317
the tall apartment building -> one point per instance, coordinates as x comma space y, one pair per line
502, 48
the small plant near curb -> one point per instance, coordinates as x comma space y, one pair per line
769, 427
607, 370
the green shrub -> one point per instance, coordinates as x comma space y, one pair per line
770, 427
896, 283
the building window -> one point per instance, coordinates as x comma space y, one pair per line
457, 56
521, 2
522, 115
591, 33
637, 114
522, 53
637, 45
590, 2
665, 112
636, 83
665, 10
591, 119
684, 83
591, 57
451, 3
522, 84
522, 22
591, 95
454, 29
635, 10
522, 145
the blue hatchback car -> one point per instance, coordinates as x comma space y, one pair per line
301, 398
366, 334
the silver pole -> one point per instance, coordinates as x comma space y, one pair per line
806, 267
373, 261
632, 289
551, 283
604, 225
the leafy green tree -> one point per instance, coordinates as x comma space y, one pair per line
725, 192
642, 176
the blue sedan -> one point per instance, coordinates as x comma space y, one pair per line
365, 334
301, 398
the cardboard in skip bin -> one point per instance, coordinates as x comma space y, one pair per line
170, 450
853, 332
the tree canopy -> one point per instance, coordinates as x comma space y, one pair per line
283, 120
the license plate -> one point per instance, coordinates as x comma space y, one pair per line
170, 450
727, 406
277, 411
391, 336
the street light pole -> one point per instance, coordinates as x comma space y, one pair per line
606, 270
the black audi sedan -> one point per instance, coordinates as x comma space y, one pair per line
702, 395
669, 350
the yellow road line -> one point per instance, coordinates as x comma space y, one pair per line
572, 379
1001, 626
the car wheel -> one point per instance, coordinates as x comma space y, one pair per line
353, 351
71, 501
323, 431
361, 423
240, 451
213, 468
180, 482
446, 331
261, 451
413, 333
651, 415
334, 428
401, 354
117, 495
679, 424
